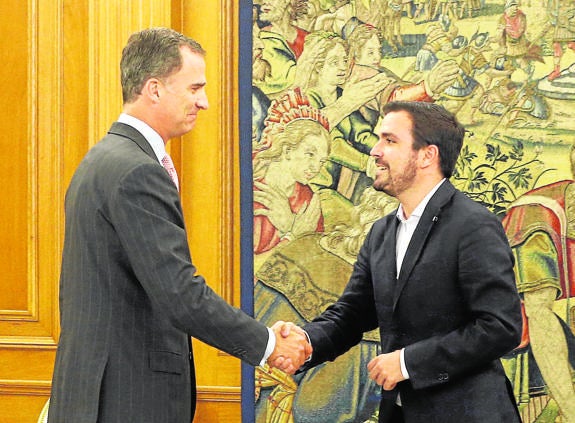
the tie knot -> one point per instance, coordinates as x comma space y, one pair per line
169, 166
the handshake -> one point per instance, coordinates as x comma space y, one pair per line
292, 347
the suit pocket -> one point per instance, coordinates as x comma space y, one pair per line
166, 362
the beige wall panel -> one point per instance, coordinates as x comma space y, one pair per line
32, 363
110, 24
15, 160
75, 90
210, 172
62, 61
21, 408
31, 156
218, 404
28, 159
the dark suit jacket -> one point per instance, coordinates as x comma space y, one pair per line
130, 297
454, 308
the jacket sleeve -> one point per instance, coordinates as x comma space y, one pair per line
146, 213
342, 325
492, 319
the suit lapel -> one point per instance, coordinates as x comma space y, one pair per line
384, 275
389, 262
121, 129
428, 219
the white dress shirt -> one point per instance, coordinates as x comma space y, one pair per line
405, 231
153, 138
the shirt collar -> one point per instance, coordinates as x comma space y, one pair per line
153, 138
418, 211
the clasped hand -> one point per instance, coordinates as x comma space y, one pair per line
292, 347
385, 370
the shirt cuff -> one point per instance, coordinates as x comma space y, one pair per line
270, 347
309, 342
402, 364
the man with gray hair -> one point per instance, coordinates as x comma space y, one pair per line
130, 296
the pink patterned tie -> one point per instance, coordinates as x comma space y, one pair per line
169, 166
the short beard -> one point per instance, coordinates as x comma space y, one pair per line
397, 186
381, 188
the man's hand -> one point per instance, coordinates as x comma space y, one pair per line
385, 370
292, 347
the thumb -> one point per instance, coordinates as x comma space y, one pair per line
285, 330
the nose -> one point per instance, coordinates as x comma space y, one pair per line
376, 150
202, 101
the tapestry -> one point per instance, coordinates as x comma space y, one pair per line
321, 72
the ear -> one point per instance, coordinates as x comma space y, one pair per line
152, 89
429, 156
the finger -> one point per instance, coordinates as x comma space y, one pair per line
372, 369
278, 324
295, 362
290, 370
301, 353
277, 327
298, 363
286, 364
388, 386
278, 362
286, 329
375, 376
308, 350
371, 365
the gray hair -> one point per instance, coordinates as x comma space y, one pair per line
152, 53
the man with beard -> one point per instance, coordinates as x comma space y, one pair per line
436, 277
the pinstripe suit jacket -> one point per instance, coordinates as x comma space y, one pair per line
130, 297
454, 308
